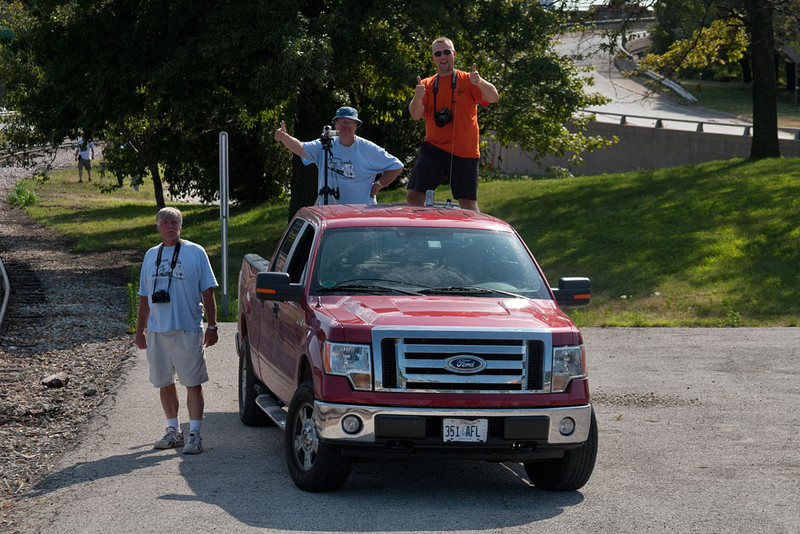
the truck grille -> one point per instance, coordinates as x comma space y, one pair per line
507, 361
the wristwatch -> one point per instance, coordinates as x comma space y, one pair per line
211, 327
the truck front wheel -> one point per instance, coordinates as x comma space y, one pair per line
314, 466
570, 472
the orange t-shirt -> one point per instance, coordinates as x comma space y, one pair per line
464, 106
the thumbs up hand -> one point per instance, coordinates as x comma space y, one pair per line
474, 77
280, 133
419, 90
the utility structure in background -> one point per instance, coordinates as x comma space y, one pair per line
223, 215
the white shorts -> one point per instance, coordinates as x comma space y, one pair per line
176, 352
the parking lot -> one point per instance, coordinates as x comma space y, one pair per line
698, 433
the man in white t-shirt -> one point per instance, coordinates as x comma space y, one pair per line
175, 284
353, 162
84, 154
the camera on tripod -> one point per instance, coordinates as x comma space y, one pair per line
442, 117
328, 134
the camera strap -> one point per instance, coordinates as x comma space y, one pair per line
453, 104
452, 90
172, 263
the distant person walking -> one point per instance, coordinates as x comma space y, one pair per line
84, 154
448, 101
175, 284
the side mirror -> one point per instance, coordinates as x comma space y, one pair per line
573, 291
277, 286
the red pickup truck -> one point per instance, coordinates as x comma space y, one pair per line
398, 330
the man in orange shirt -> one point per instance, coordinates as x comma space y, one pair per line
449, 103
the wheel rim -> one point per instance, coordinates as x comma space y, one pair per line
306, 440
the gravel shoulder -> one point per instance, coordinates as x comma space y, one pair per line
66, 318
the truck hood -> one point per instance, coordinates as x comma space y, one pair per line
478, 312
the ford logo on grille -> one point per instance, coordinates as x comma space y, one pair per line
464, 364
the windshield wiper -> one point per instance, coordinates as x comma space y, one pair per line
364, 288
469, 290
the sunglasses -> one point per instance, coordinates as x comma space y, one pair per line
439, 53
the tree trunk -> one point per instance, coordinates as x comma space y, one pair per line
747, 74
152, 165
791, 81
158, 186
765, 109
309, 120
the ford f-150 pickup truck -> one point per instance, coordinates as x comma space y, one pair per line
398, 330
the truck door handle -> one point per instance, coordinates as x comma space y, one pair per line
275, 309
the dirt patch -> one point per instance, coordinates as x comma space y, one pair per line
67, 315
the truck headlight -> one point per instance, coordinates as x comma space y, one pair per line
568, 363
352, 361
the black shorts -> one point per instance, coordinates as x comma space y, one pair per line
434, 165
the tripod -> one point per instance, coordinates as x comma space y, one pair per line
327, 141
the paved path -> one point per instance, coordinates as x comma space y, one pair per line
639, 104
698, 433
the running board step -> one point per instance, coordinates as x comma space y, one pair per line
273, 410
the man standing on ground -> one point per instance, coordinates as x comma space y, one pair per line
449, 101
175, 284
353, 162
84, 154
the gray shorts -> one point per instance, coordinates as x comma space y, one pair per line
176, 352
84, 164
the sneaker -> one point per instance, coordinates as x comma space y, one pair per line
194, 445
173, 438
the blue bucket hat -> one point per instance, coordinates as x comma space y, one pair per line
346, 112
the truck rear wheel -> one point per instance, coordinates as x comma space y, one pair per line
570, 472
249, 412
314, 466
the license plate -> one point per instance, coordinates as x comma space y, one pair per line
465, 430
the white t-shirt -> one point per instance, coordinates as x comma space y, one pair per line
84, 148
192, 276
350, 168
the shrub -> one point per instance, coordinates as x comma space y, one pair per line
133, 298
23, 194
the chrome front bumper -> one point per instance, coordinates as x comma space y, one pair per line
329, 419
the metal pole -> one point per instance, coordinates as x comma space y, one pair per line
223, 214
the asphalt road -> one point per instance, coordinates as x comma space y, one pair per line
698, 433
640, 105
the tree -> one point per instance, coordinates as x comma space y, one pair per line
702, 30
161, 79
158, 79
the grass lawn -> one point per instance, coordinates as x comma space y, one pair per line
715, 244
737, 98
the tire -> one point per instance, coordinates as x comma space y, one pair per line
314, 466
249, 412
570, 472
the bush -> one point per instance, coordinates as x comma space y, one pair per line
133, 299
23, 194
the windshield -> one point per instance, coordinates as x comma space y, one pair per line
426, 261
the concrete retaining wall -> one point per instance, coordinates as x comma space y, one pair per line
639, 148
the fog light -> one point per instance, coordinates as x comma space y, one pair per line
351, 424
566, 426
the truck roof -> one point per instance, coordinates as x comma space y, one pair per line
350, 215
